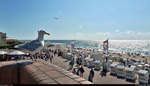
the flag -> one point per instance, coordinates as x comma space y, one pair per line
105, 46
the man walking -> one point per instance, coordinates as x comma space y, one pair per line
71, 64
91, 75
81, 71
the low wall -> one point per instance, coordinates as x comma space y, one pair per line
28, 72
10, 71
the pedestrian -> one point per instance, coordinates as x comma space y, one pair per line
78, 71
74, 71
149, 79
71, 64
77, 61
101, 73
46, 56
81, 71
51, 57
30, 56
104, 69
91, 75
55, 52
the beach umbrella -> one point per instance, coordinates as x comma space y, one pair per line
16, 52
3, 52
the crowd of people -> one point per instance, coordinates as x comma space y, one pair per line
76, 66
46, 54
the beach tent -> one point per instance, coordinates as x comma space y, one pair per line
16, 53
3, 52
143, 76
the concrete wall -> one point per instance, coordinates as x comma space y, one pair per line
28, 72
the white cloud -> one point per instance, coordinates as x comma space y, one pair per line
115, 35
81, 26
126, 35
117, 30
129, 32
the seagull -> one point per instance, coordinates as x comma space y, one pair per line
57, 18
34, 44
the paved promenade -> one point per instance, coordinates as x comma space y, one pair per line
97, 78
36, 73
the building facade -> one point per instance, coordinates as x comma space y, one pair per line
2, 38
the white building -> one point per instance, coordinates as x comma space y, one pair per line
2, 38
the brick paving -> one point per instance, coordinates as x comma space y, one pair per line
39, 73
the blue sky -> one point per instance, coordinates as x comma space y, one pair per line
78, 19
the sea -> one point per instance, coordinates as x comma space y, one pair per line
118, 46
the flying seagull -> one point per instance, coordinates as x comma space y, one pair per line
57, 18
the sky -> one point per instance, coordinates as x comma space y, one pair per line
76, 19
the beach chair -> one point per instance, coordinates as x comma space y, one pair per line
109, 63
146, 66
90, 63
139, 67
113, 69
86, 62
97, 64
69, 56
130, 73
120, 71
143, 76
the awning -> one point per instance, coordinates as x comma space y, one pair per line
16, 52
